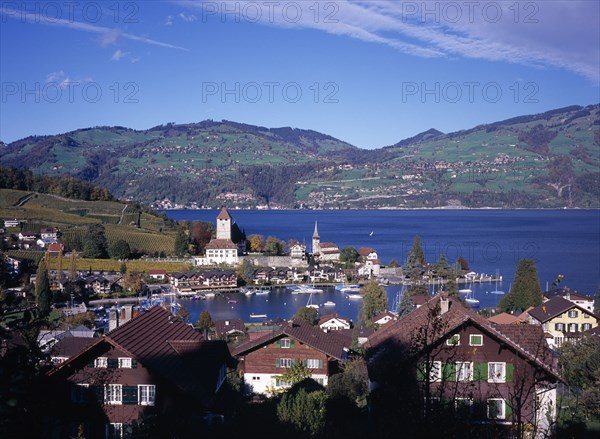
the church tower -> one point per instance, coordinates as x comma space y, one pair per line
316, 242
224, 225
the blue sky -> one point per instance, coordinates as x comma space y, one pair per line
367, 72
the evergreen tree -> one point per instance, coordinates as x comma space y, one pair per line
205, 322
405, 305
181, 244
441, 267
375, 301
119, 249
95, 245
305, 413
43, 296
525, 291
245, 271
451, 288
415, 261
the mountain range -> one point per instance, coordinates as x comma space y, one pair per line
546, 160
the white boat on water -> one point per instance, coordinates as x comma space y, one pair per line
261, 292
306, 289
258, 316
329, 303
497, 291
309, 304
350, 289
354, 296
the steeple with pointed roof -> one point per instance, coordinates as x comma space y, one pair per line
224, 224
316, 242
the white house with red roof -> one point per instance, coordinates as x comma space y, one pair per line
222, 249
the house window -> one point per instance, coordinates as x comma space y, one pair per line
497, 372
573, 327
284, 362
464, 371
573, 314
496, 408
586, 326
115, 431
113, 394
559, 326
454, 340
101, 362
558, 341
464, 406
78, 392
435, 374
281, 383
125, 362
313, 363
476, 340
146, 394
285, 343
255, 378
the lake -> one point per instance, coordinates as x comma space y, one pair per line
492, 241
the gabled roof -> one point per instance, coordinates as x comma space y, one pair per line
221, 243
168, 347
69, 346
329, 245
365, 251
428, 326
224, 214
504, 319
554, 307
383, 315
330, 343
229, 325
329, 317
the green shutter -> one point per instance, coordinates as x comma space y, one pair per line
130, 395
508, 409
112, 363
509, 372
278, 344
99, 393
421, 372
320, 364
480, 372
304, 363
292, 343
277, 362
133, 363
449, 372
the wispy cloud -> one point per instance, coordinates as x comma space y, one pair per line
190, 18
169, 20
107, 35
118, 55
561, 34
63, 80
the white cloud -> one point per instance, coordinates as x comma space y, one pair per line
190, 18
63, 80
55, 76
118, 54
169, 20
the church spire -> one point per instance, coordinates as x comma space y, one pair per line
316, 232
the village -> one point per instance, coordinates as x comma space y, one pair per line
497, 373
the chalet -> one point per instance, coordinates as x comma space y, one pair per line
55, 249
582, 300
12, 222
98, 284
152, 374
298, 251
452, 364
326, 274
13, 265
27, 236
158, 274
366, 253
562, 320
265, 358
383, 318
230, 330
333, 322
50, 233
219, 279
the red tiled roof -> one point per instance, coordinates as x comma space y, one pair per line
328, 245
328, 317
425, 326
225, 326
56, 247
224, 214
151, 272
365, 251
221, 243
504, 319
330, 343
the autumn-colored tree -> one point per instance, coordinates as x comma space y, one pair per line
375, 301
307, 314
205, 323
257, 243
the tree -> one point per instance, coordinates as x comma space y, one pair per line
352, 383
274, 246
200, 235
525, 291
95, 245
441, 267
257, 243
304, 412
205, 323
119, 249
133, 281
181, 244
464, 265
394, 264
43, 296
245, 271
349, 254
415, 261
307, 314
183, 314
375, 301
405, 305
123, 268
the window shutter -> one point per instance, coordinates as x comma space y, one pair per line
130, 395
304, 363
421, 372
278, 344
449, 371
508, 409
112, 363
99, 393
480, 372
292, 343
509, 372
133, 363
277, 362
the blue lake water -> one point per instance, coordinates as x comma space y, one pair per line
560, 241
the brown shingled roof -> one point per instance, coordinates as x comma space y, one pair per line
224, 214
69, 346
221, 243
552, 308
365, 251
504, 319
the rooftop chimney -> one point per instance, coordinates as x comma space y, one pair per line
444, 303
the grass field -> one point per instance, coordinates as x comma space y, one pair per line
112, 265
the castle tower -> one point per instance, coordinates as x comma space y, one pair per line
224, 225
316, 242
